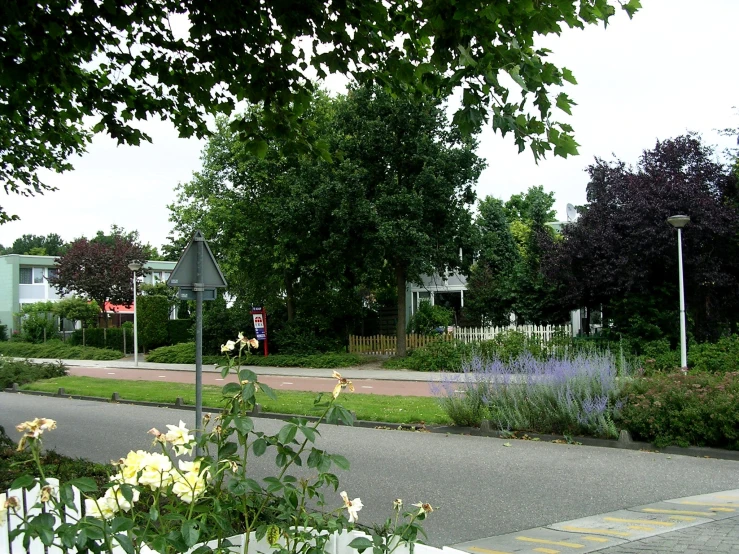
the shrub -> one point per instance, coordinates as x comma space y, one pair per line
3, 332
304, 337
22, 372
184, 353
153, 314
567, 395
38, 322
179, 330
103, 338
439, 355
718, 357
700, 409
14, 464
57, 350
429, 319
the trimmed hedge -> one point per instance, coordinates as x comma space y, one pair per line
185, 354
700, 409
102, 338
153, 315
57, 350
179, 331
22, 372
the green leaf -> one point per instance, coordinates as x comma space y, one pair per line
361, 544
231, 389
564, 103
125, 543
228, 449
84, 484
120, 524
568, 76
153, 513
287, 433
515, 74
190, 532
243, 424
23, 482
269, 391
247, 375
309, 433
340, 461
259, 447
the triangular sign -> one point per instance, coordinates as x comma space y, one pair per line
184, 273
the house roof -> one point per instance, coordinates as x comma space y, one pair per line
118, 308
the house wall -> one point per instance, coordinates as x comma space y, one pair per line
8, 290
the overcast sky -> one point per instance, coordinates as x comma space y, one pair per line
670, 70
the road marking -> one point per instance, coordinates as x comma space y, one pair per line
714, 506
728, 497
682, 518
366, 387
649, 522
111, 373
553, 543
593, 530
595, 539
219, 379
486, 550
287, 383
546, 550
683, 512
641, 527
162, 376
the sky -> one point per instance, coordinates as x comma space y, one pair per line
670, 70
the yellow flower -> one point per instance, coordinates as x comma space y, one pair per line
46, 493
115, 495
397, 504
157, 472
352, 506
228, 347
189, 484
180, 438
35, 428
342, 383
254, 343
102, 508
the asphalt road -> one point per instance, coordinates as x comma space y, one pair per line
478, 486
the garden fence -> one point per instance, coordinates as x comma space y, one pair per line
30, 507
384, 345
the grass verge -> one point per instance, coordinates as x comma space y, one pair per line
368, 407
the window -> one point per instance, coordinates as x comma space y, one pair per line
53, 273
165, 276
38, 275
26, 276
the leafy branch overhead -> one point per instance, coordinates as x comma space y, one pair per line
65, 64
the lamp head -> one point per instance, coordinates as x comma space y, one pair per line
678, 221
134, 266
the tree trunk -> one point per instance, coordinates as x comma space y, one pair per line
290, 299
400, 279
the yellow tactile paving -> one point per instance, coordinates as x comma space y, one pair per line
546, 550
682, 512
574, 529
486, 550
716, 505
553, 543
595, 539
648, 522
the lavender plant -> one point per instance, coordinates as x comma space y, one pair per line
574, 395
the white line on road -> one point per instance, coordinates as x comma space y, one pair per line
109, 373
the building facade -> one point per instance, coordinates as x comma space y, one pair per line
24, 279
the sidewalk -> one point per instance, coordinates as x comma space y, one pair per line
368, 371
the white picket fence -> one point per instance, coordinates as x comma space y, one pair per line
541, 332
31, 506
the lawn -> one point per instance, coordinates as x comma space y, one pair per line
368, 407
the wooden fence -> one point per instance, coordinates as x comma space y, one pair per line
383, 345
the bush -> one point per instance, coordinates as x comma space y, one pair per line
184, 353
103, 338
14, 464
302, 338
179, 330
429, 319
3, 332
57, 350
700, 409
439, 355
718, 357
153, 315
22, 372
566, 395
38, 322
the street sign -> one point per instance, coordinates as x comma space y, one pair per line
259, 315
189, 294
184, 273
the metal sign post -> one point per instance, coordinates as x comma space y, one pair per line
197, 272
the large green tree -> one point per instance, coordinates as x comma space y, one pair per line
49, 245
71, 68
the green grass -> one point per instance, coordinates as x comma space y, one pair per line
368, 407
57, 350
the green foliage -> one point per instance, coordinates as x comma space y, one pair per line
429, 318
179, 330
194, 72
719, 357
38, 245
698, 409
57, 350
38, 322
184, 353
439, 355
111, 337
14, 464
153, 315
23, 371
3, 333
78, 309
300, 338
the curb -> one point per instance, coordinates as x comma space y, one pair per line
485, 430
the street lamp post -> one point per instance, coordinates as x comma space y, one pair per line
678, 222
134, 266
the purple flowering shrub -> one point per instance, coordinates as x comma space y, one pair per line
571, 395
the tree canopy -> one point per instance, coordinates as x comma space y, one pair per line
38, 245
69, 69
621, 253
